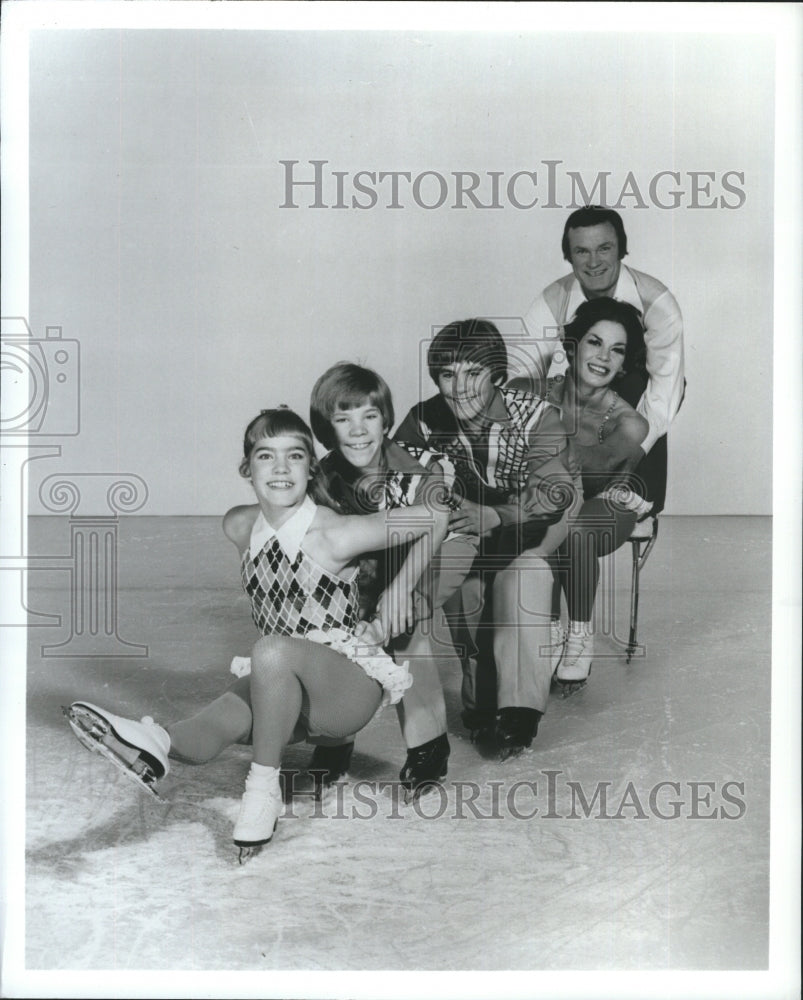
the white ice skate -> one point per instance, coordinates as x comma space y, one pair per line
138, 749
578, 654
259, 811
557, 641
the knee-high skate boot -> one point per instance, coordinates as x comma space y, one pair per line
259, 810
138, 749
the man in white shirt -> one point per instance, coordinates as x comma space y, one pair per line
594, 243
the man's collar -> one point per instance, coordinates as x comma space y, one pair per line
625, 291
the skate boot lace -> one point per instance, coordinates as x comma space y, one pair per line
573, 649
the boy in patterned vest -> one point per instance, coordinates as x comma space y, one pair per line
351, 413
509, 453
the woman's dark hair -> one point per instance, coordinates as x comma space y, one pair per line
628, 317
594, 215
345, 386
476, 340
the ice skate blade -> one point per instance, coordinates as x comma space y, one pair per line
412, 795
570, 687
91, 730
481, 735
250, 848
512, 753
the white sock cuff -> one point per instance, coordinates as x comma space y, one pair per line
262, 775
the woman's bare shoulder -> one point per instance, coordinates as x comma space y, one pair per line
238, 522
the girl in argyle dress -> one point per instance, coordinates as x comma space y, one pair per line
310, 675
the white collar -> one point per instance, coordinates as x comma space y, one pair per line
290, 535
625, 291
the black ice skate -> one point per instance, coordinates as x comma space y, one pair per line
480, 724
138, 749
328, 765
515, 730
424, 766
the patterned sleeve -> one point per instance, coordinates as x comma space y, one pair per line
551, 487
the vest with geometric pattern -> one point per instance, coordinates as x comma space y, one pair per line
294, 597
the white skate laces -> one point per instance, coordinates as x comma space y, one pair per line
578, 652
260, 807
557, 639
159, 740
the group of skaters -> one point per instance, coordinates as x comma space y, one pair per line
487, 509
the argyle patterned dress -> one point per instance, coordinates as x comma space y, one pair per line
292, 595
295, 597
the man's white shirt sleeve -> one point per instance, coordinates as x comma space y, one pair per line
664, 339
544, 336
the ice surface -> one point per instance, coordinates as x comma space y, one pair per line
117, 881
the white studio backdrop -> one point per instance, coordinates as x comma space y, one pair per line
162, 241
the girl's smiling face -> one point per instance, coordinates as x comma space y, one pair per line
279, 470
600, 354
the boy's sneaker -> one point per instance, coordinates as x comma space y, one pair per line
425, 765
138, 749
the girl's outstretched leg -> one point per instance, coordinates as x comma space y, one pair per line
141, 749
225, 721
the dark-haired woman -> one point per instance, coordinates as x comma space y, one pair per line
604, 342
